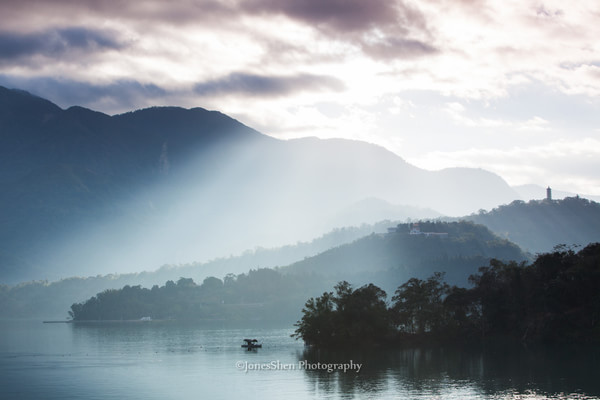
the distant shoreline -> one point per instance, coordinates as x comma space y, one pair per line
99, 321
129, 321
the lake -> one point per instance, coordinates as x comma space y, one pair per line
185, 361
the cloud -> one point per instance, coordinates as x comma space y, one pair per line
459, 114
544, 12
564, 164
55, 43
390, 48
65, 11
127, 94
248, 84
335, 15
119, 95
382, 29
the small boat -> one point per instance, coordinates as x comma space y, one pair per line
252, 344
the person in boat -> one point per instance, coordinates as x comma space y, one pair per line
251, 343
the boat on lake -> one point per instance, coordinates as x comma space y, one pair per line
252, 344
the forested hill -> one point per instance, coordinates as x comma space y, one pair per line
538, 226
553, 300
49, 300
389, 259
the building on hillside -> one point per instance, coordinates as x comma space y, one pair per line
416, 230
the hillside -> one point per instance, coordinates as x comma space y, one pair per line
386, 259
277, 295
86, 193
49, 300
389, 259
538, 226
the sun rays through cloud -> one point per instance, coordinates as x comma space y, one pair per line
441, 83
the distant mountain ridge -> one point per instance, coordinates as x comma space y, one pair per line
87, 193
537, 192
347, 254
49, 300
540, 225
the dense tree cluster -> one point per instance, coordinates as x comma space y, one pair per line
555, 299
264, 293
346, 317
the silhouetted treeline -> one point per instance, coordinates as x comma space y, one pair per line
264, 294
555, 299
49, 300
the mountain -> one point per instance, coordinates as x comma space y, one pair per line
540, 225
64, 172
387, 259
87, 193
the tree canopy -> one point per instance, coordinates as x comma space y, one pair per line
555, 299
345, 317
264, 293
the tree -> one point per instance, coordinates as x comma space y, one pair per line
347, 318
316, 326
418, 305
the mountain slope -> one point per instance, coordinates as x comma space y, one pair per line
538, 226
87, 193
390, 259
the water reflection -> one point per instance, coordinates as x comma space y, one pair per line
176, 337
501, 371
179, 361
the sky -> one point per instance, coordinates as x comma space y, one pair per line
510, 86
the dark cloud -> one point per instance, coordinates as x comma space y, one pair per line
394, 23
117, 96
340, 15
544, 12
55, 42
125, 95
390, 48
336, 15
147, 12
267, 86
350, 21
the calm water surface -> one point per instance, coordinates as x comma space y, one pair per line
170, 361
